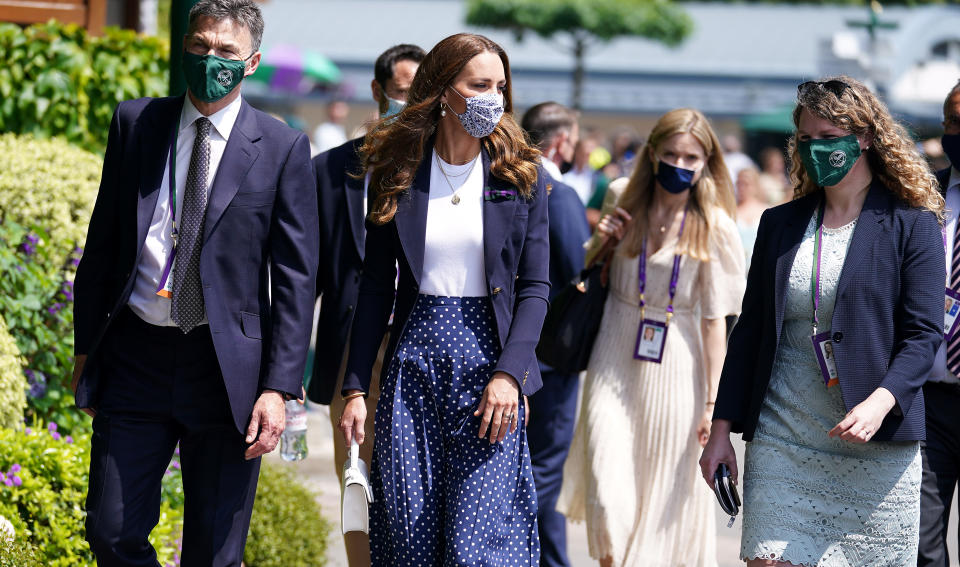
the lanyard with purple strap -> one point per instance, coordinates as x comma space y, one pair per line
163, 290
822, 343
651, 336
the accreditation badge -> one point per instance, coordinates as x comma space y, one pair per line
951, 308
826, 360
651, 339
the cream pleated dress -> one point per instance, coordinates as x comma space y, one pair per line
632, 472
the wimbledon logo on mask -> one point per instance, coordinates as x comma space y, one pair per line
838, 158
224, 77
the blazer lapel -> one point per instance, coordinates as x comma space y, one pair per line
497, 217
411, 217
865, 234
790, 238
354, 198
154, 144
238, 158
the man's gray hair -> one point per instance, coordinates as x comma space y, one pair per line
243, 12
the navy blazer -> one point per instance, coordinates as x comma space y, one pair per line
516, 261
887, 323
340, 202
568, 231
260, 218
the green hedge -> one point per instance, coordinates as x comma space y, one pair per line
13, 398
288, 528
47, 191
57, 81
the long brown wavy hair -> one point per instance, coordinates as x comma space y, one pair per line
892, 155
394, 148
712, 191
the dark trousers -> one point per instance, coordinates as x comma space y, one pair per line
161, 387
941, 470
550, 431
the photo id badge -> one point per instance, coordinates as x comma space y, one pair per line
651, 339
951, 308
823, 345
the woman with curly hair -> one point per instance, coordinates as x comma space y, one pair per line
459, 209
832, 468
676, 272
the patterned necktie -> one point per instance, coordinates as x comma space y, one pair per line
187, 309
953, 345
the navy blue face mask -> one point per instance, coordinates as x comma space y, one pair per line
674, 179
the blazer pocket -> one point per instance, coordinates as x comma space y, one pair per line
254, 198
250, 325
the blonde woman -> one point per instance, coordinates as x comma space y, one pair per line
842, 317
677, 271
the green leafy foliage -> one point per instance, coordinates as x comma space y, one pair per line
47, 191
42, 493
13, 398
17, 553
659, 20
288, 528
58, 81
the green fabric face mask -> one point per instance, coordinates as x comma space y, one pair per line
829, 161
211, 78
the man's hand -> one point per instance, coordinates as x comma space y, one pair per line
267, 421
78, 363
352, 419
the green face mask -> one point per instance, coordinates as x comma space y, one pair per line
829, 161
211, 78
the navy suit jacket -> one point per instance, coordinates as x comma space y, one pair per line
260, 238
340, 201
887, 323
516, 262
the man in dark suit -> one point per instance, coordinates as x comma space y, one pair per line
193, 299
941, 450
554, 130
342, 200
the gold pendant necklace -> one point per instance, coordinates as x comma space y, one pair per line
455, 198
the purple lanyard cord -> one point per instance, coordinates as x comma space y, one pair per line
674, 277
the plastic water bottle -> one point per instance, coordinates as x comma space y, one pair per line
293, 441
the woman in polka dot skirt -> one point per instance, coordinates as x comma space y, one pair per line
457, 246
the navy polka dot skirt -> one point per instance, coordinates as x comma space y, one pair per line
442, 495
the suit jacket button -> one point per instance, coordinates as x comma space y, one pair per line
496, 290
349, 308
837, 337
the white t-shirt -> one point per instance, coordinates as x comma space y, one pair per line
453, 248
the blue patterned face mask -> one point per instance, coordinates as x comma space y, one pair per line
482, 115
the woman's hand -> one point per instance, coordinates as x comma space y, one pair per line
498, 406
703, 429
718, 450
614, 225
862, 422
351, 421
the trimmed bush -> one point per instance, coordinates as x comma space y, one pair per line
57, 81
13, 398
288, 528
47, 191
17, 553
43, 485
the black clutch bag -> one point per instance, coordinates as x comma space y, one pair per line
573, 320
726, 492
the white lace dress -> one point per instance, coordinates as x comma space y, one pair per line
810, 499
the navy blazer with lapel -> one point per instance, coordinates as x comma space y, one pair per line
340, 202
260, 218
516, 262
887, 323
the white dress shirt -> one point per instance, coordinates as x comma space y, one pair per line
551, 169
144, 300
